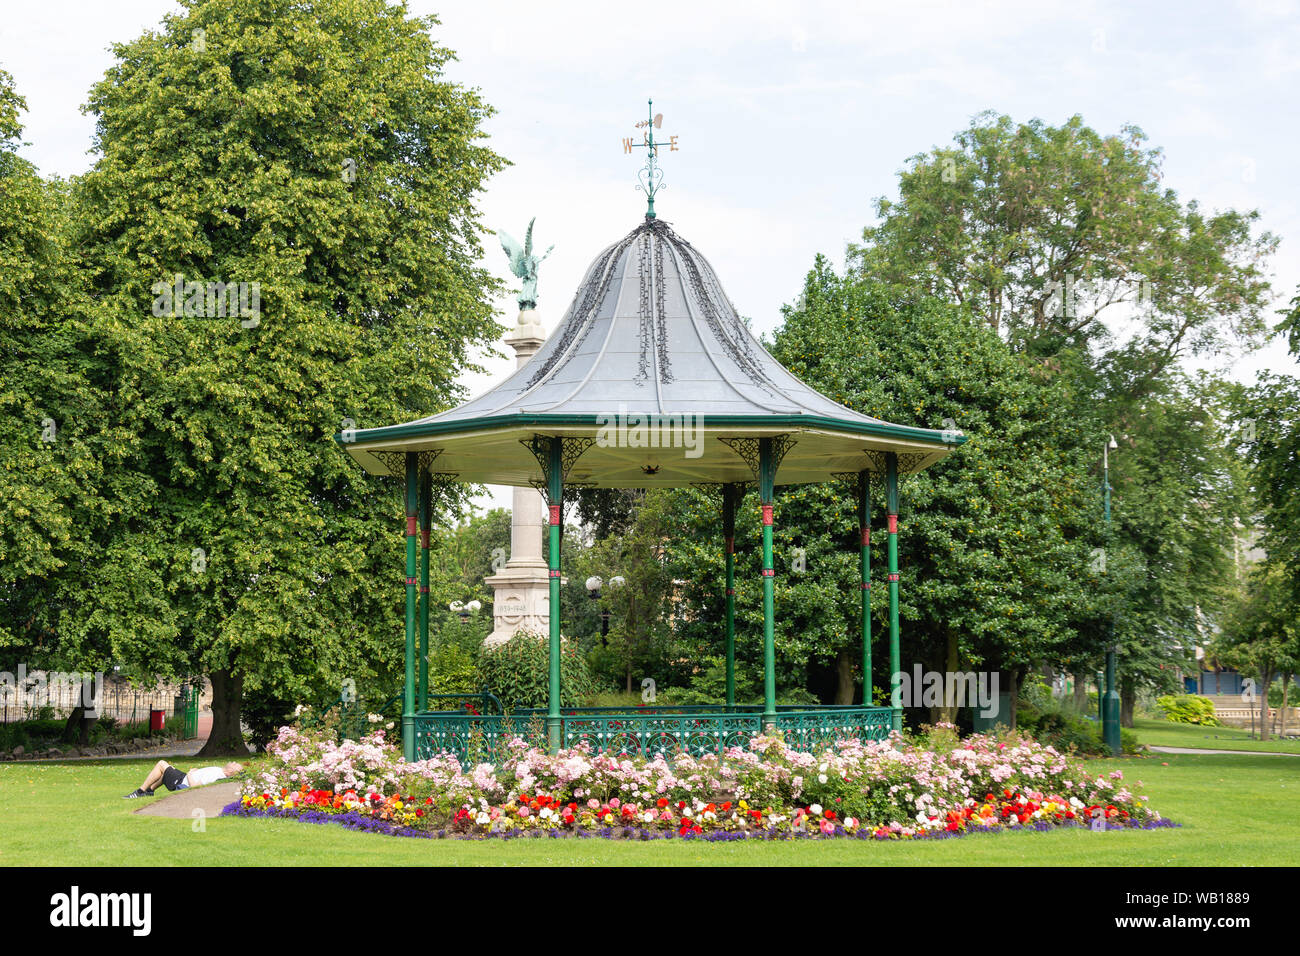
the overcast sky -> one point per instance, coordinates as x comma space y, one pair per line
792, 117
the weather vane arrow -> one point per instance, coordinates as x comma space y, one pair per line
650, 176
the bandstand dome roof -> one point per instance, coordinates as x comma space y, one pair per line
650, 339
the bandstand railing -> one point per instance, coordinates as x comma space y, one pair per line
645, 732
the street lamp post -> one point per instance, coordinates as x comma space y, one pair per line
465, 610
594, 584
1110, 705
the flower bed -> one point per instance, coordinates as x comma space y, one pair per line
899, 789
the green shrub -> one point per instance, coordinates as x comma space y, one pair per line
1066, 731
453, 670
518, 671
1188, 709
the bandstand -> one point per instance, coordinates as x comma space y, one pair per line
650, 380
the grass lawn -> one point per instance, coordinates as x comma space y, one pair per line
1235, 810
1161, 733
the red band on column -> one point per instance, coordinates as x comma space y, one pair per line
769, 573
555, 572
866, 537
731, 546
424, 539
893, 577
866, 585
410, 526
767, 514
731, 592
555, 514
424, 589
893, 524
410, 582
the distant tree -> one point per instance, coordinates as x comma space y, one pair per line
1261, 632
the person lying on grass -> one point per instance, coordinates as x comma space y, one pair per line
174, 779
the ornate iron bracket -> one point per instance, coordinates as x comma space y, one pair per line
747, 449
906, 462
395, 461
571, 449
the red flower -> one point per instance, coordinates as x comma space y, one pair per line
830, 814
662, 802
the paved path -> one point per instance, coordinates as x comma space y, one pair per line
1193, 750
182, 804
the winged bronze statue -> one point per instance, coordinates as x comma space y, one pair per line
524, 264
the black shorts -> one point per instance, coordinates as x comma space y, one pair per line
174, 779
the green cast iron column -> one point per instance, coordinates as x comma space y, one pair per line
730, 493
426, 502
766, 488
895, 656
555, 496
412, 517
864, 532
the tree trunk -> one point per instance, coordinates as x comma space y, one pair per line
1286, 685
948, 712
77, 720
844, 676
1080, 693
1127, 701
1263, 705
227, 739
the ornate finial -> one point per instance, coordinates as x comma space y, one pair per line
524, 264
651, 176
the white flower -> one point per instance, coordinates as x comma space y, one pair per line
815, 809
821, 778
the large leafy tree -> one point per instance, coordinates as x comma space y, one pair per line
1050, 234
996, 540
48, 407
318, 151
1180, 494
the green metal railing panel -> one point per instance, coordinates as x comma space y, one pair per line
475, 738
472, 738
814, 730
652, 735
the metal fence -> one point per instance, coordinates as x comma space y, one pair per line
126, 704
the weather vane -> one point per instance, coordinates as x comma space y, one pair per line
650, 175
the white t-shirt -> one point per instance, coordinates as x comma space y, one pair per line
204, 775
